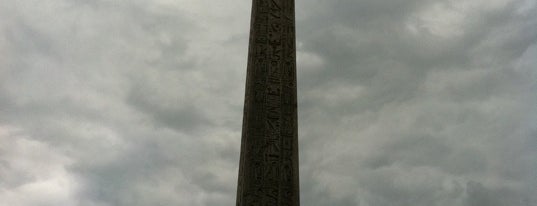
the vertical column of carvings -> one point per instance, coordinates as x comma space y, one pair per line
256, 185
268, 173
273, 123
251, 168
289, 161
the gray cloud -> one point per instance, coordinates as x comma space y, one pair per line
420, 114
109, 103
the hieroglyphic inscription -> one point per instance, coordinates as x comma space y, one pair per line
268, 173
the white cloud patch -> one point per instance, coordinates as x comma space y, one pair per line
33, 173
450, 19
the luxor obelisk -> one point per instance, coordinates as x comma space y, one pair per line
268, 172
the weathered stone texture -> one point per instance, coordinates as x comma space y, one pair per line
268, 173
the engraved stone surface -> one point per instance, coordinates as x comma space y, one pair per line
268, 172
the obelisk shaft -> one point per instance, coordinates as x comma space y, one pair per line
268, 172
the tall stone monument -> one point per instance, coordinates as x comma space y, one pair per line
268, 172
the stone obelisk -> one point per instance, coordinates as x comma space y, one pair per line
268, 172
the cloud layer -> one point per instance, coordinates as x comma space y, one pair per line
415, 102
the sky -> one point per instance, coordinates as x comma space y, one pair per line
139, 102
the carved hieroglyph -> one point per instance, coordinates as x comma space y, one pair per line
268, 172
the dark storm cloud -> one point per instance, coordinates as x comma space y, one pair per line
183, 117
415, 102
479, 195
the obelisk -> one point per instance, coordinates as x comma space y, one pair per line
268, 171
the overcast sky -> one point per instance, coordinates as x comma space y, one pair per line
139, 102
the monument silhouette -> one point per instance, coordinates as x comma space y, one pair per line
268, 171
